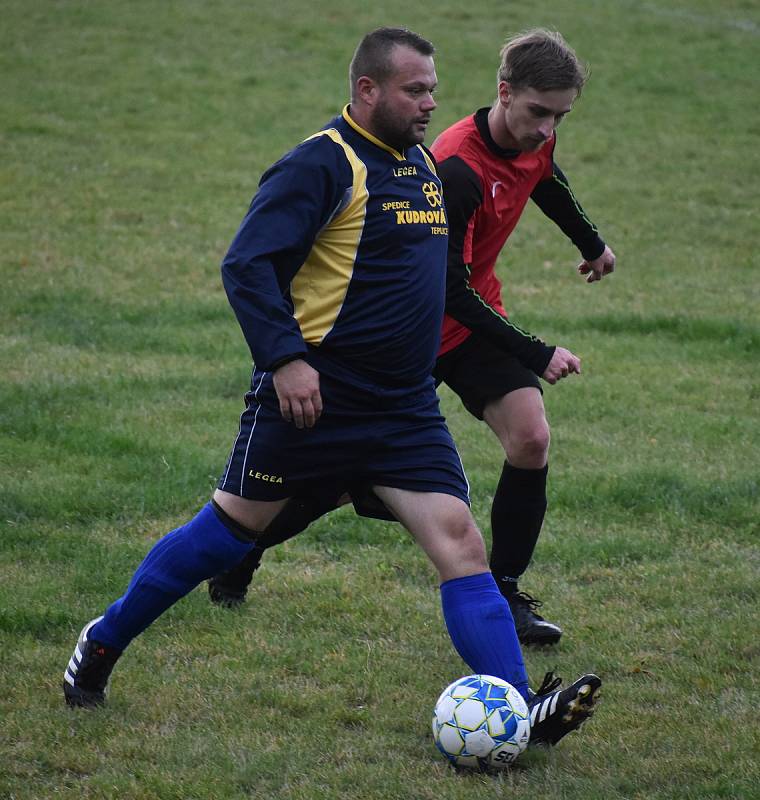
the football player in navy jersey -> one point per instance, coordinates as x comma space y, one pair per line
337, 277
491, 163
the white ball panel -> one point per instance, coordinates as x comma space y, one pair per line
470, 714
479, 743
451, 740
444, 711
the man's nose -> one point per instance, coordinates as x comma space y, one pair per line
428, 103
546, 129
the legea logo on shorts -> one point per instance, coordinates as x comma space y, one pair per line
264, 476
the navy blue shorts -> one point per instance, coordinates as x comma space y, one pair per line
367, 436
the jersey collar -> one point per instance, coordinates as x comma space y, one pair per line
481, 123
367, 135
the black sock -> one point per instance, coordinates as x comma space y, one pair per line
296, 515
517, 514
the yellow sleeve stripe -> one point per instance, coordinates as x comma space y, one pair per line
428, 160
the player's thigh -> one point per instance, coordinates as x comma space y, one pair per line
443, 526
481, 374
272, 460
255, 515
519, 421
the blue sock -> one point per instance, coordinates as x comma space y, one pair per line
175, 565
482, 629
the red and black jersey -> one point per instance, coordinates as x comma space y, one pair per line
486, 188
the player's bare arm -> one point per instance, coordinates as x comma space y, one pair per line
595, 270
297, 387
563, 363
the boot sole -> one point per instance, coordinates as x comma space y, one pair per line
583, 705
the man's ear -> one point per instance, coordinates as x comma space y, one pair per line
505, 93
366, 91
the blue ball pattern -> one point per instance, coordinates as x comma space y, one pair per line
481, 722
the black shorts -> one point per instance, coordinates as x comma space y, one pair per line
479, 372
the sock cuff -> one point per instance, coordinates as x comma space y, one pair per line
468, 581
516, 473
240, 532
471, 590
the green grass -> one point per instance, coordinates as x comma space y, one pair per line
132, 138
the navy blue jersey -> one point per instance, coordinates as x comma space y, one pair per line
341, 258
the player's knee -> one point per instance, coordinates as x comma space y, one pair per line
467, 548
529, 447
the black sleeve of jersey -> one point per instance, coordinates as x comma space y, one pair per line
555, 198
463, 195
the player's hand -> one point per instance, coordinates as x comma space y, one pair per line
595, 270
297, 387
562, 364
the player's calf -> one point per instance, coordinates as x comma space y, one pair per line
229, 588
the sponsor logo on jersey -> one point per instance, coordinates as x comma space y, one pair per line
413, 216
406, 215
400, 172
432, 194
394, 205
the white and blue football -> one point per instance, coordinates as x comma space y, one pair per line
481, 722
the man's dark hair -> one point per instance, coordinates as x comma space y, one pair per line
373, 55
542, 60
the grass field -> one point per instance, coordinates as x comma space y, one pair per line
132, 138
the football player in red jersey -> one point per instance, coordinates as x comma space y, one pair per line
491, 163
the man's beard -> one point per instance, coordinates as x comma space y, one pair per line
386, 127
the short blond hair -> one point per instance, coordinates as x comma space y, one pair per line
542, 60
